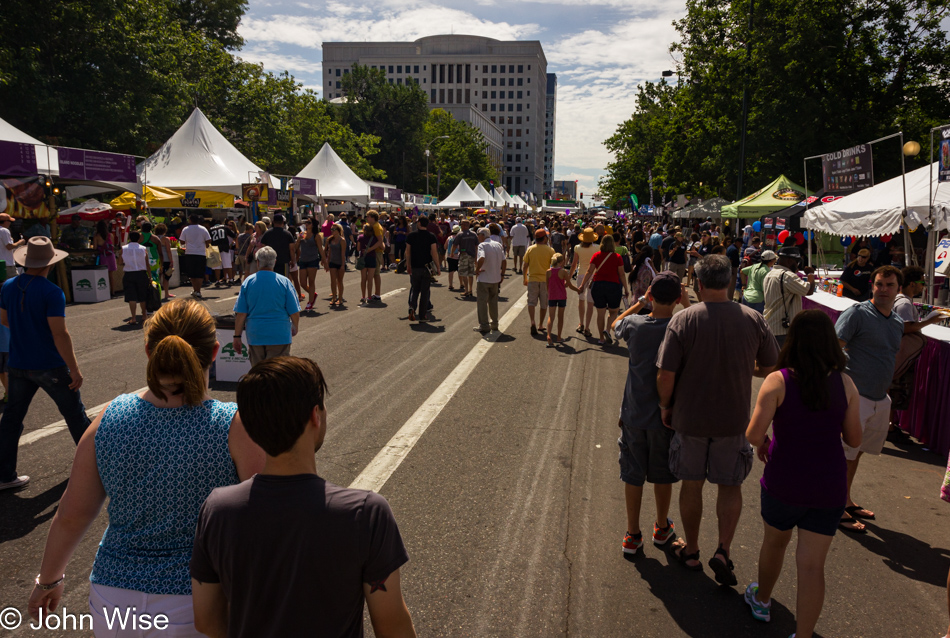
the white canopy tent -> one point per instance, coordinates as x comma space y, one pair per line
877, 211
335, 180
482, 193
520, 203
199, 157
462, 193
505, 196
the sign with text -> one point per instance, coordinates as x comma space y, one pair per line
94, 166
305, 186
376, 193
395, 194
942, 258
849, 169
472, 204
254, 192
17, 159
943, 145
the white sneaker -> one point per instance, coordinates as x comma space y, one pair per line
16, 483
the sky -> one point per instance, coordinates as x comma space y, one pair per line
599, 49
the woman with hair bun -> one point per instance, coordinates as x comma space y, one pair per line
157, 455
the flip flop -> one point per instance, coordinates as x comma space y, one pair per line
679, 552
856, 512
848, 525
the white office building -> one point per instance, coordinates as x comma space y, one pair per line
500, 87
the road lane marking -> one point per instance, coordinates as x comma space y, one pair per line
59, 426
375, 475
383, 296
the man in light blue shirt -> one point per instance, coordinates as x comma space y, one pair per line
269, 306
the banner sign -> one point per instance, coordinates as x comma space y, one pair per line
395, 193
943, 172
768, 222
849, 169
472, 204
780, 223
17, 159
305, 186
942, 258
376, 193
76, 163
254, 192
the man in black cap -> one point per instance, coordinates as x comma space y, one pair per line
784, 290
280, 239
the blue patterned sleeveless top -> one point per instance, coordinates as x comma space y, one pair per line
158, 465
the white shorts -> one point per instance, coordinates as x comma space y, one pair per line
226, 259
584, 296
875, 417
178, 610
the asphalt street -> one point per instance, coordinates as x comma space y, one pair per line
510, 501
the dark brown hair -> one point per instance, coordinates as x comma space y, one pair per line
888, 271
180, 339
275, 400
910, 274
812, 351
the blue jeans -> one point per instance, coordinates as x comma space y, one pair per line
23, 385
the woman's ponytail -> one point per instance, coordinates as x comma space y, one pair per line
174, 357
180, 339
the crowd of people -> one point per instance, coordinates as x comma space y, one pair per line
199, 548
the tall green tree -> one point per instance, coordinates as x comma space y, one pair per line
462, 155
396, 114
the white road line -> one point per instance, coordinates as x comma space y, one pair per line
59, 426
391, 293
375, 475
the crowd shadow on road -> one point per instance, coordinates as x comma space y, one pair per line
909, 450
21, 515
704, 609
906, 555
426, 326
128, 327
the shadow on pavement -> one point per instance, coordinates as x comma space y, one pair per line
911, 451
426, 327
704, 609
21, 515
905, 554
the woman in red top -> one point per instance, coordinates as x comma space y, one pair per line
606, 271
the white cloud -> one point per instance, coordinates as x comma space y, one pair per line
273, 61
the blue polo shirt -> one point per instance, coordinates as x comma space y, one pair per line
871, 341
32, 346
268, 300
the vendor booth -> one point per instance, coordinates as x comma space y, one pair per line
778, 195
334, 179
462, 197
708, 208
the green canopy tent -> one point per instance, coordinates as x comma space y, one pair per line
777, 196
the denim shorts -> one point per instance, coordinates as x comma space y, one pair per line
557, 303
309, 264
784, 517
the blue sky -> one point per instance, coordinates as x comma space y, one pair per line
600, 49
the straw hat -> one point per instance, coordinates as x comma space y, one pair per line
38, 253
588, 236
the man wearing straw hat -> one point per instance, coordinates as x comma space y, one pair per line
41, 352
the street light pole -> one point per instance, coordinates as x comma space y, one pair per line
441, 137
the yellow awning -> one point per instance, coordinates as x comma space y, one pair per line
157, 197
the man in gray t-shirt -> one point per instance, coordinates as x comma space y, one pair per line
709, 355
870, 332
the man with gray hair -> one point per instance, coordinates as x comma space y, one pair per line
708, 357
268, 306
490, 269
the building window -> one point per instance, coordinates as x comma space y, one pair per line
484, 95
493, 81
519, 106
330, 84
484, 81
390, 68
458, 73
494, 69
433, 74
458, 96
484, 107
399, 69
518, 145
432, 93
529, 94
415, 69
527, 118
441, 74
468, 97
520, 81
510, 133
484, 68
451, 74
424, 68
338, 72
493, 107
527, 132
509, 157
519, 120
441, 96
529, 80
529, 67
511, 68
520, 68
337, 85
511, 95
399, 81
518, 132
493, 96
451, 96
492, 119
509, 144
518, 157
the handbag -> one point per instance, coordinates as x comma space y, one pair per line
153, 300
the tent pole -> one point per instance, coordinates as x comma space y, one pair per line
807, 235
930, 257
904, 214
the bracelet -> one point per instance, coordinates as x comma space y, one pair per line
53, 585
665, 407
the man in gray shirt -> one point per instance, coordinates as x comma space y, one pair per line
870, 332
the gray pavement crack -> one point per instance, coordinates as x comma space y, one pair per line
570, 500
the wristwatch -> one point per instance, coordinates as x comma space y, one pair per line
642, 299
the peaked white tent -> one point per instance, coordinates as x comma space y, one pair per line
335, 180
47, 157
462, 193
520, 203
199, 157
505, 197
876, 211
482, 193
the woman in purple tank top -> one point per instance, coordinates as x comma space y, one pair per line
811, 405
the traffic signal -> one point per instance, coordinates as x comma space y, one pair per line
582, 195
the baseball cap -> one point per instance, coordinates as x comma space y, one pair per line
278, 218
665, 287
540, 234
864, 252
769, 255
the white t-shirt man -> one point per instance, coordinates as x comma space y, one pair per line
519, 235
194, 238
494, 255
5, 254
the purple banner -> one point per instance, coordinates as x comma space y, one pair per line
376, 192
17, 158
94, 166
395, 194
305, 186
